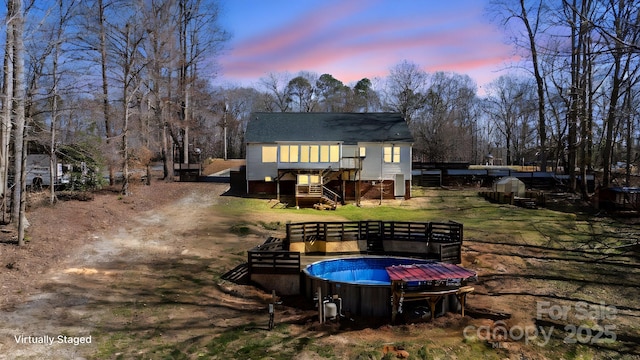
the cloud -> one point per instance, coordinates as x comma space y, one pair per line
357, 39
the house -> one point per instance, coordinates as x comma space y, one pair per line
328, 158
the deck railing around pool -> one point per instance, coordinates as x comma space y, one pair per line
274, 262
436, 240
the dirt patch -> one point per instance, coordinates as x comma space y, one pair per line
141, 274
112, 262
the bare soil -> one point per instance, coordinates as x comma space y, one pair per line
100, 264
150, 264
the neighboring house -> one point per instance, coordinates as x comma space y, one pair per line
328, 157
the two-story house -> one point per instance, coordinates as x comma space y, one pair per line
328, 157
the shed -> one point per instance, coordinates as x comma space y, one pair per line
619, 198
510, 185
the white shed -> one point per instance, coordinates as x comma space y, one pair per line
510, 185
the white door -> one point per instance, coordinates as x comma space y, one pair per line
398, 188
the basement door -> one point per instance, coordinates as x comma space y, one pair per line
398, 186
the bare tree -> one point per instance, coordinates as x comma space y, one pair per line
301, 89
507, 106
16, 24
406, 90
444, 127
278, 97
7, 104
45, 73
161, 51
131, 66
624, 29
531, 15
106, 105
198, 36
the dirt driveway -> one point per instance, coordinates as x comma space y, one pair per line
130, 277
111, 264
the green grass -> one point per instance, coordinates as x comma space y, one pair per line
482, 220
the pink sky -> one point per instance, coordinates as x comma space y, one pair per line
355, 39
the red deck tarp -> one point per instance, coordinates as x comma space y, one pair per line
430, 274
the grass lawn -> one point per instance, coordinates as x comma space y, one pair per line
547, 254
524, 257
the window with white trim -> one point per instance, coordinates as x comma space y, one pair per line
304, 179
289, 153
391, 154
269, 154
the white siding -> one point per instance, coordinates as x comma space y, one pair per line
256, 169
374, 167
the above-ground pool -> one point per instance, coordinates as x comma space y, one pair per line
361, 282
363, 270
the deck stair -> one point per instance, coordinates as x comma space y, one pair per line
328, 200
238, 275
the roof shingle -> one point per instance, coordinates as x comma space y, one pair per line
349, 128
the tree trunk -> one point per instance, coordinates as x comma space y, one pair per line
7, 124
53, 163
542, 128
610, 123
19, 197
105, 84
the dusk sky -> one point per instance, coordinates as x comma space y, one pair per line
360, 38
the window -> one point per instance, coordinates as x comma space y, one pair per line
269, 154
304, 153
310, 153
288, 153
391, 154
324, 153
363, 151
308, 179
334, 153
314, 153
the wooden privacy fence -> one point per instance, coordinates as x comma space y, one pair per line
274, 262
437, 240
433, 240
450, 232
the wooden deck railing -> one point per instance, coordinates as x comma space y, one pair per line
450, 232
442, 241
274, 262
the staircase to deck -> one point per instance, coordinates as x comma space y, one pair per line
328, 200
322, 197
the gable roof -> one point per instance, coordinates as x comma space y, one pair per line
349, 128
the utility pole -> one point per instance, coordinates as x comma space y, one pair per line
224, 128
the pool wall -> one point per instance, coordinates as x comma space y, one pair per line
372, 298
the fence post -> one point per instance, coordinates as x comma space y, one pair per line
287, 240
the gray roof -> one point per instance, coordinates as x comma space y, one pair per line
349, 128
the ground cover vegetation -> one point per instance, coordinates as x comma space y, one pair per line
145, 281
126, 83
